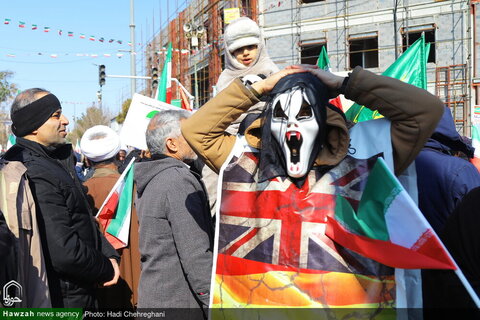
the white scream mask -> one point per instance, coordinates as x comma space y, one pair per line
295, 128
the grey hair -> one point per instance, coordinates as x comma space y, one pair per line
164, 125
24, 98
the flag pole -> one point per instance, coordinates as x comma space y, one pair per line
467, 285
460, 274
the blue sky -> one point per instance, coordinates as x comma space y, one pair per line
73, 78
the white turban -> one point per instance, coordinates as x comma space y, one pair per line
100, 143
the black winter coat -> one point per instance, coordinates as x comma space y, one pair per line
76, 254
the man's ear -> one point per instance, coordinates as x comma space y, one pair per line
172, 145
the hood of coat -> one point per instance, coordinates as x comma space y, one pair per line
147, 170
446, 138
335, 135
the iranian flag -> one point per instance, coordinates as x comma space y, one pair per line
82, 36
34, 27
115, 213
324, 63
92, 38
46, 29
164, 90
11, 141
388, 227
21, 24
7, 21
476, 144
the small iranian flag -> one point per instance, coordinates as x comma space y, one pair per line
34, 27
101, 39
115, 213
476, 144
60, 32
82, 36
11, 141
70, 34
7, 21
119, 41
46, 29
21, 24
388, 227
92, 38
324, 63
164, 90
111, 40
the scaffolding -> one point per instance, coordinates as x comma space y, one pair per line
198, 68
451, 86
196, 64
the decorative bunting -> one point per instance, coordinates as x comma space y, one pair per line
101, 39
92, 38
70, 34
46, 29
7, 21
82, 36
34, 27
21, 24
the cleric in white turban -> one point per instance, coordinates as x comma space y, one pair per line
100, 143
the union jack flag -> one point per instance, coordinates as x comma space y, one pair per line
278, 223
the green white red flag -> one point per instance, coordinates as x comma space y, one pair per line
323, 62
476, 145
164, 90
115, 213
388, 227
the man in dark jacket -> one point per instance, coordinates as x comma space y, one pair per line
77, 256
176, 229
444, 179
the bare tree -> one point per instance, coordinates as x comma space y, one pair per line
93, 116
7, 93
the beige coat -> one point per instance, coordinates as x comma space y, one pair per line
414, 114
18, 207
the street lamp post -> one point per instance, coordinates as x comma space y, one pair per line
193, 32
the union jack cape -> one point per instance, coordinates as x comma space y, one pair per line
271, 250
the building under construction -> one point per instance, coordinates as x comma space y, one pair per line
371, 34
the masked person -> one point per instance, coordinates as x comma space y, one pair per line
280, 177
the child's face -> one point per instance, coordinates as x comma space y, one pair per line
246, 55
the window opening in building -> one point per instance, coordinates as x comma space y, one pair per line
309, 52
413, 36
363, 52
311, 1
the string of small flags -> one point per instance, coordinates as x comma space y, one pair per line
161, 51
60, 32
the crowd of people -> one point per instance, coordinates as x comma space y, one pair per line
264, 126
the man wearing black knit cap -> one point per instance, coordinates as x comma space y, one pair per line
78, 257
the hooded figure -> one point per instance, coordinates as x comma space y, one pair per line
240, 33
443, 179
280, 177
